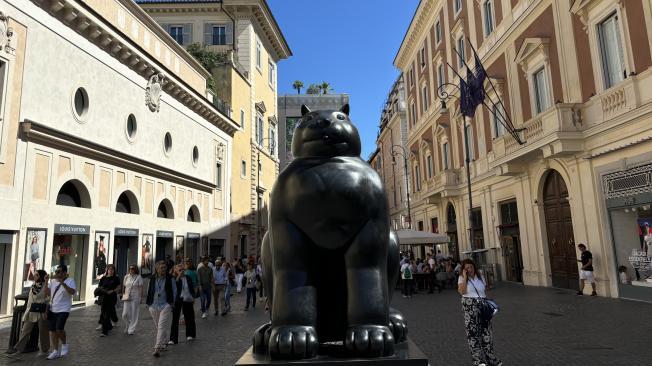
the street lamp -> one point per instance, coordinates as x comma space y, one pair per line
405, 173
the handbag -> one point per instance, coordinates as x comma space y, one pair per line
38, 308
487, 308
125, 296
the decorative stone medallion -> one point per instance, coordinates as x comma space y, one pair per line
219, 151
6, 33
153, 92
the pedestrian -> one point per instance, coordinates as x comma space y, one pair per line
250, 285
205, 277
109, 286
62, 289
259, 278
586, 271
220, 281
478, 333
230, 275
132, 297
184, 302
406, 276
160, 299
239, 274
35, 313
169, 263
439, 257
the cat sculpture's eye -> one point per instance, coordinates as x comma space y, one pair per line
340, 117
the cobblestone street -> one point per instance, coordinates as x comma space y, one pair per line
536, 326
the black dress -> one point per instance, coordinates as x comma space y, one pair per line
108, 313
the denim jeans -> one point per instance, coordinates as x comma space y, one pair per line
251, 295
227, 298
205, 298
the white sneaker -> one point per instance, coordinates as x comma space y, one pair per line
171, 342
64, 350
99, 327
189, 339
54, 354
204, 315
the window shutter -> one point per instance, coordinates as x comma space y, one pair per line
229, 33
208, 34
187, 34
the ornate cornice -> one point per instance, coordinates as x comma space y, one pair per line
83, 20
415, 32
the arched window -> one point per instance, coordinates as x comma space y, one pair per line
127, 203
74, 194
165, 210
193, 214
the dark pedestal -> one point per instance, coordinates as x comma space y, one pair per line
406, 354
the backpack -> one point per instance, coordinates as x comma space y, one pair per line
407, 273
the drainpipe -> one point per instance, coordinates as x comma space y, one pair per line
235, 49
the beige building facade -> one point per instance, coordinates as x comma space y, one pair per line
574, 77
248, 34
109, 147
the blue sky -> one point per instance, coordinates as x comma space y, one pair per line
348, 43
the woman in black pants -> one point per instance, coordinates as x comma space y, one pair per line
185, 302
109, 286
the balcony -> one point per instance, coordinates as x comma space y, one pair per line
442, 184
553, 133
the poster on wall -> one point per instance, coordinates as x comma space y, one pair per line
34, 253
100, 254
179, 249
640, 258
146, 257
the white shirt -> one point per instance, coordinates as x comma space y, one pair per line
61, 301
403, 267
431, 262
470, 289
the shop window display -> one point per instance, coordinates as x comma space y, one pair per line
632, 233
69, 251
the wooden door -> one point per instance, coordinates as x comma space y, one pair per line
559, 227
513, 258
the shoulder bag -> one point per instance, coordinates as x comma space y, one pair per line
487, 308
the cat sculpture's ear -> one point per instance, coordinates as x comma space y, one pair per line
345, 109
304, 110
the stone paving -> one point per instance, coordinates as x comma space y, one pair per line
536, 326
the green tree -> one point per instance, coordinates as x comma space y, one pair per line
325, 87
208, 59
298, 84
313, 89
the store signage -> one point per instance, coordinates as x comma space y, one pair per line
72, 229
164, 234
193, 235
123, 231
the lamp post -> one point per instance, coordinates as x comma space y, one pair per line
405, 173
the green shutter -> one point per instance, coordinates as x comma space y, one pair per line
208, 34
187, 34
229, 33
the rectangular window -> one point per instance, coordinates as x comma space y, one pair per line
434, 225
271, 74
499, 120
488, 17
422, 54
420, 225
259, 55
611, 51
259, 130
437, 32
424, 98
411, 75
460, 50
176, 32
468, 146
417, 177
243, 169
414, 114
272, 141
242, 119
457, 5
541, 102
429, 165
218, 175
446, 155
441, 77
218, 35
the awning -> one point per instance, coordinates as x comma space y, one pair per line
413, 237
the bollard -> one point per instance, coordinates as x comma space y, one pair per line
17, 323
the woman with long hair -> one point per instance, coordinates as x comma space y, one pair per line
109, 286
478, 333
132, 297
36, 312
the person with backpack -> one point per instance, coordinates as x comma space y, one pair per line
406, 276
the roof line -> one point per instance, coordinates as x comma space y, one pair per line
407, 31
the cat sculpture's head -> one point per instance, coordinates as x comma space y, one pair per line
325, 133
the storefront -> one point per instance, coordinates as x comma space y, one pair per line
69, 247
628, 196
6, 240
164, 244
125, 250
192, 246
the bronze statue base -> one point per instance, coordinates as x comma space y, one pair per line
405, 354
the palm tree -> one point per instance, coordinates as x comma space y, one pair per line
325, 87
298, 84
313, 89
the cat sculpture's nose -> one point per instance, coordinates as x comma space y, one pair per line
324, 123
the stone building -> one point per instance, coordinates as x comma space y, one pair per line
574, 76
247, 33
289, 106
109, 145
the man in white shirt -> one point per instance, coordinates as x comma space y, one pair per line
62, 288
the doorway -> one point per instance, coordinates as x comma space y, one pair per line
451, 231
70, 250
164, 247
559, 227
216, 248
125, 253
5, 266
511, 243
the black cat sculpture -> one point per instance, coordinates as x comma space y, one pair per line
330, 261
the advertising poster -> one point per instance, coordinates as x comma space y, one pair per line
179, 255
34, 252
146, 257
100, 254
